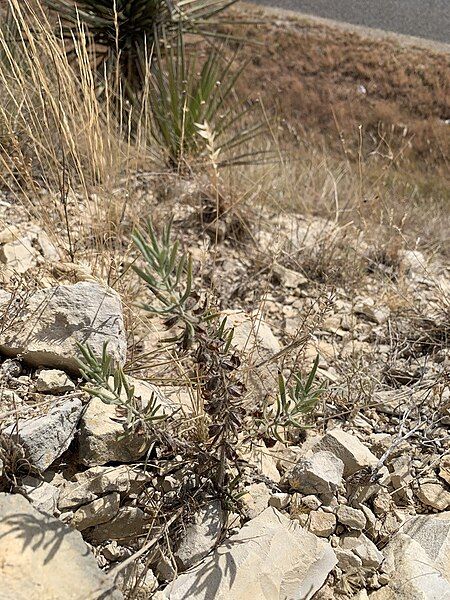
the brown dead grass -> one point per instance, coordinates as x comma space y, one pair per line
377, 159
311, 75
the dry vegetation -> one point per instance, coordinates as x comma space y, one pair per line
365, 119
303, 212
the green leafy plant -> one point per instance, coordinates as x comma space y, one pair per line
168, 275
215, 364
110, 384
292, 403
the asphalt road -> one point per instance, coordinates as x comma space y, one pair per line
420, 18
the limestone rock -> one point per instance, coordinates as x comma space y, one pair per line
46, 438
401, 477
48, 325
321, 523
364, 548
444, 468
288, 278
351, 517
96, 512
413, 262
45, 559
371, 311
433, 494
311, 502
270, 557
53, 381
259, 456
279, 500
349, 449
347, 560
286, 456
42, 495
256, 499
137, 576
319, 474
102, 438
9, 234
256, 343
252, 334
418, 560
18, 256
98, 481
129, 522
200, 536
10, 367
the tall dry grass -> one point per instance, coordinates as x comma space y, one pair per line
64, 156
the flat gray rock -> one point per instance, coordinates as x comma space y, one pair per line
47, 326
46, 438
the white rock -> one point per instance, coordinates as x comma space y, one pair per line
312, 502
347, 560
259, 456
201, 536
102, 438
372, 311
252, 335
51, 322
319, 474
130, 522
42, 495
351, 517
270, 557
257, 344
401, 477
418, 560
414, 262
433, 494
364, 548
288, 278
286, 456
88, 485
11, 367
53, 381
444, 468
44, 559
98, 511
9, 234
256, 499
349, 449
138, 577
321, 523
46, 438
279, 500
18, 256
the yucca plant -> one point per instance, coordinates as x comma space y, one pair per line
192, 109
123, 33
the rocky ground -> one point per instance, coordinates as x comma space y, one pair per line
354, 505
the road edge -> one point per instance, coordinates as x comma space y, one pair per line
398, 38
